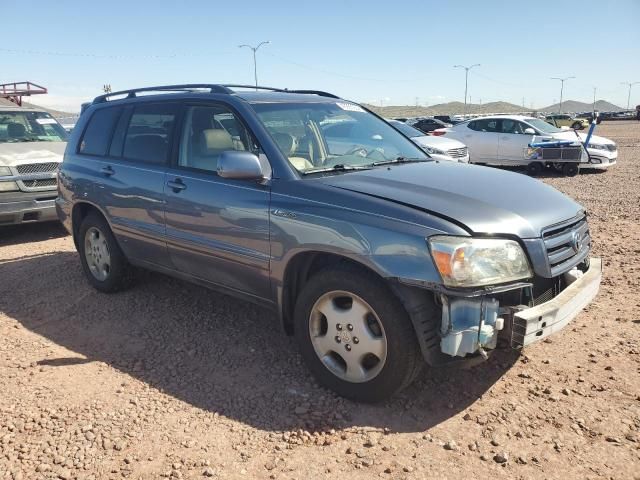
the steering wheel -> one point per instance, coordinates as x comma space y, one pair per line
359, 150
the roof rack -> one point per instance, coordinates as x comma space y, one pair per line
212, 87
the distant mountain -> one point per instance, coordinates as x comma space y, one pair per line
451, 108
575, 106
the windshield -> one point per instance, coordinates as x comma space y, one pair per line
316, 136
408, 130
543, 126
30, 127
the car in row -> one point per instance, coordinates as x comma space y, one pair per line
32, 143
376, 258
438, 148
565, 120
504, 141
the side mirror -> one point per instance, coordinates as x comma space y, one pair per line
529, 131
240, 165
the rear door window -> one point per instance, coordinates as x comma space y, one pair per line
150, 132
97, 135
485, 125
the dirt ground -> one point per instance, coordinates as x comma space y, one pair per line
172, 380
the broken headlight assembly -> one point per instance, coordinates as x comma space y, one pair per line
477, 262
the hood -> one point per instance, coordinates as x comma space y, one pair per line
31, 152
442, 143
484, 200
570, 135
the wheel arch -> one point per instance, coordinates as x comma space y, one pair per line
79, 212
300, 268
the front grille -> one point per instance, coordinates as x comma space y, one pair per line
37, 168
457, 152
47, 182
567, 245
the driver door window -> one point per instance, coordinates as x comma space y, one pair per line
209, 131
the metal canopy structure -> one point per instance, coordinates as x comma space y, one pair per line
16, 90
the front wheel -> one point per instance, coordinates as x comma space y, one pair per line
355, 335
577, 126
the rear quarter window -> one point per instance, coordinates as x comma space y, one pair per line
97, 135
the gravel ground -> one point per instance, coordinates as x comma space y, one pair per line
172, 380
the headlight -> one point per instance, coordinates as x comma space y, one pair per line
475, 262
8, 186
597, 146
433, 151
5, 172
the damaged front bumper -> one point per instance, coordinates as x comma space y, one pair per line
472, 325
533, 324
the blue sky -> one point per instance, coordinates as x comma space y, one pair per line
373, 51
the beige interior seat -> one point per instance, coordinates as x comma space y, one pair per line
212, 142
287, 144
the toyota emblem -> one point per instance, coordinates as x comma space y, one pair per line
576, 242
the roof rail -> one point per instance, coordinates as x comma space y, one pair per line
213, 88
314, 92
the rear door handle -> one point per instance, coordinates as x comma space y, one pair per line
107, 171
176, 185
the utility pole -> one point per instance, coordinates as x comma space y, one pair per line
466, 82
254, 49
562, 80
594, 101
629, 84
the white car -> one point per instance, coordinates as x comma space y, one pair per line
439, 148
503, 140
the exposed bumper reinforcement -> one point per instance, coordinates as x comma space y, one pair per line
534, 324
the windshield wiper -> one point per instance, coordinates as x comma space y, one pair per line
400, 160
336, 168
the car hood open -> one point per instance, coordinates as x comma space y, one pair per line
481, 199
30, 152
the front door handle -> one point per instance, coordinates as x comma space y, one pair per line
107, 171
176, 185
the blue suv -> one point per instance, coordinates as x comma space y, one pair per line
377, 258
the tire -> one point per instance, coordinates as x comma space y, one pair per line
534, 169
104, 264
329, 343
570, 169
577, 126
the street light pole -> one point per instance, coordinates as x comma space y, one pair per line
255, 65
629, 84
466, 82
562, 80
594, 101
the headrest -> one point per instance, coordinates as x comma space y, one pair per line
285, 142
216, 140
16, 130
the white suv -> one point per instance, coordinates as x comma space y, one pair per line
32, 143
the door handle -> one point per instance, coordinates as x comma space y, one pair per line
176, 185
107, 171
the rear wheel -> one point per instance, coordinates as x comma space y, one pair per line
534, 169
577, 126
104, 264
355, 335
